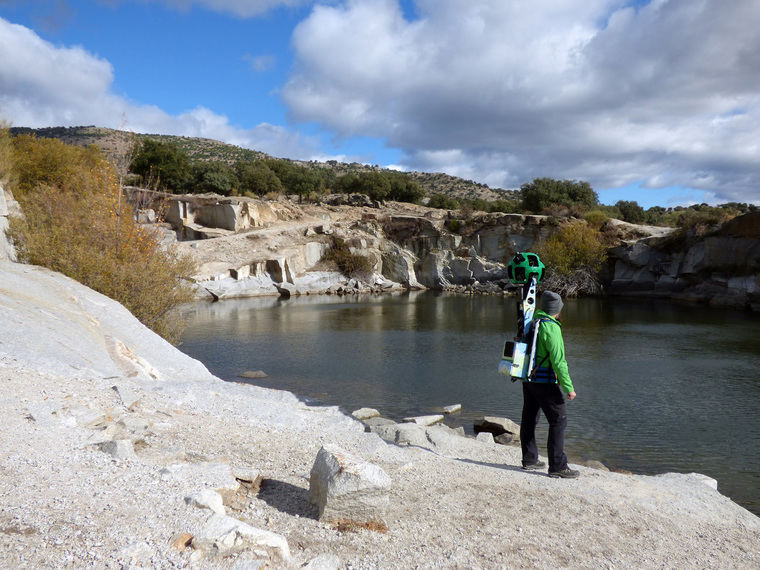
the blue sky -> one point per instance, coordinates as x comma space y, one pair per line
657, 101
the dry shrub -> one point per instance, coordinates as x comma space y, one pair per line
574, 255
76, 222
349, 264
6, 156
596, 218
347, 525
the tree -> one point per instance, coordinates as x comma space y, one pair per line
255, 177
214, 177
374, 184
163, 165
631, 211
296, 179
403, 188
543, 192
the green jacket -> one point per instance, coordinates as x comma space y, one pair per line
550, 350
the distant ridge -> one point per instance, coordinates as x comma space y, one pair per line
116, 144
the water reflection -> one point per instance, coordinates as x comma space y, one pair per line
660, 387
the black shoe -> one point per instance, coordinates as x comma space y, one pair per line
534, 466
566, 473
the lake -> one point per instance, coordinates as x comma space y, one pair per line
661, 387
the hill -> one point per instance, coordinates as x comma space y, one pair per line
118, 144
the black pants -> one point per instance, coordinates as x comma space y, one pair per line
549, 398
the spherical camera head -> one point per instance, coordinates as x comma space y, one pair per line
523, 267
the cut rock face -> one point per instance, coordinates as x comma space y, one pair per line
345, 487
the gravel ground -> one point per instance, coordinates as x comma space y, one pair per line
65, 503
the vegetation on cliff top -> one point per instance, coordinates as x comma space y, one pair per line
76, 222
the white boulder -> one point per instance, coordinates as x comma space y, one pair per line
425, 420
345, 487
226, 535
365, 413
207, 499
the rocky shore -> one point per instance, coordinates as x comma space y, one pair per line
119, 451
246, 247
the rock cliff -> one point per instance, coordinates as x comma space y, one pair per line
247, 247
721, 268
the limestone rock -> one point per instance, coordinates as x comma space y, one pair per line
182, 541
226, 535
496, 426
119, 448
345, 487
453, 409
253, 374
485, 437
206, 499
506, 439
402, 434
594, 464
365, 413
374, 422
425, 420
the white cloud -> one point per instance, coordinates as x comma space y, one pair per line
45, 85
503, 91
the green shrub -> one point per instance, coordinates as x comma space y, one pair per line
349, 264
596, 218
76, 222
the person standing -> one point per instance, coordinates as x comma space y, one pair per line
544, 392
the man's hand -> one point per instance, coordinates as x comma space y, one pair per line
571, 395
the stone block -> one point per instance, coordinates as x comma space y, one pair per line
453, 409
225, 535
345, 487
425, 420
496, 426
206, 499
365, 413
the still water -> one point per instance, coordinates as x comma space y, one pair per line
661, 387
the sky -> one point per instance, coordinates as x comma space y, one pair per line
655, 101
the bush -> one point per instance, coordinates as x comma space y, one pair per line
349, 264
76, 222
596, 218
544, 192
573, 255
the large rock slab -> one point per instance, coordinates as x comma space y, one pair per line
345, 487
425, 420
226, 535
496, 426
